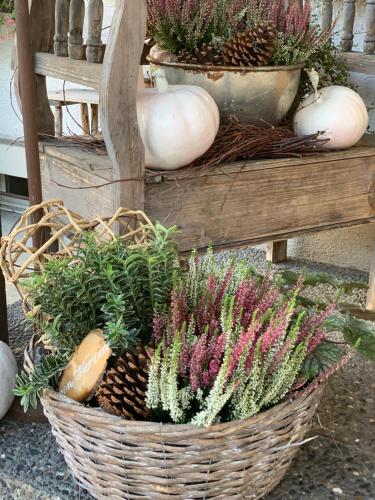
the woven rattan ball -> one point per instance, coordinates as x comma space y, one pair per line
50, 230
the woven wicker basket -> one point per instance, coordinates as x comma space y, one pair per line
118, 459
114, 458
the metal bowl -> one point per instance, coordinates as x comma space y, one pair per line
258, 95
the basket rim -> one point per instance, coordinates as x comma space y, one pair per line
51, 398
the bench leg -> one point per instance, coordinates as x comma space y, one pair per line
85, 122
94, 119
370, 305
58, 121
277, 251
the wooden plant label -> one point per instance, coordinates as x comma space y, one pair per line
86, 367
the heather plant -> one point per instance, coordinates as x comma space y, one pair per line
189, 24
235, 343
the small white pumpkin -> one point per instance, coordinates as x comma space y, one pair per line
178, 124
8, 372
338, 111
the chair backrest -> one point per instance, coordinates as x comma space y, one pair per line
60, 51
362, 61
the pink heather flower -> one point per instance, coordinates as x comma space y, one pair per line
314, 321
197, 363
214, 369
178, 310
185, 358
217, 348
245, 303
267, 300
159, 324
321, 378
211, 285
277, 328
317, 339
244, 342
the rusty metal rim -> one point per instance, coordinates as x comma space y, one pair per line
235, 69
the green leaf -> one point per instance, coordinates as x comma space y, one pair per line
335, 323
361, 335
326, 355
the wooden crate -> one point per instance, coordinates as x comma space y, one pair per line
234, 204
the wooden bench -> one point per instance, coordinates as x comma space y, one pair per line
236, 204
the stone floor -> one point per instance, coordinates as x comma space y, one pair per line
338, 464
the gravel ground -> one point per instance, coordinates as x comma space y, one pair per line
338, 464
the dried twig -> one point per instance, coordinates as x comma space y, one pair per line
234, 142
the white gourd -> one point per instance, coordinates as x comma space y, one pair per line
337, 111
178, 124
8, 372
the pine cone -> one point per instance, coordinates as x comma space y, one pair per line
206, 54
122, 391
252, 47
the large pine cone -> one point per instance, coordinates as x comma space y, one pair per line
122, 391
252, 47
207, 54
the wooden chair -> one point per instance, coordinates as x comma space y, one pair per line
87, 99
236, 204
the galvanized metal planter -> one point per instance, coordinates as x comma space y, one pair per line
258, 95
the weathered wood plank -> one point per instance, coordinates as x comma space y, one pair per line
58, 177
58, 120
277, 251
94, 119
71, 70
94, 50
348, 23
85, 119
369, 41
92, 170
119, 120
62, 27
234, 205
42, 27
359, 62
223, 209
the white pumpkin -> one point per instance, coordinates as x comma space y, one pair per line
178, 124
337, 111
8, 372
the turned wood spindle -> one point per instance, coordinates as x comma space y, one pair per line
61, 27
369, 42
327, 14
76, 19
95, 22
348, 25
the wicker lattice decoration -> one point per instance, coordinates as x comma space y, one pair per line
60, 230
